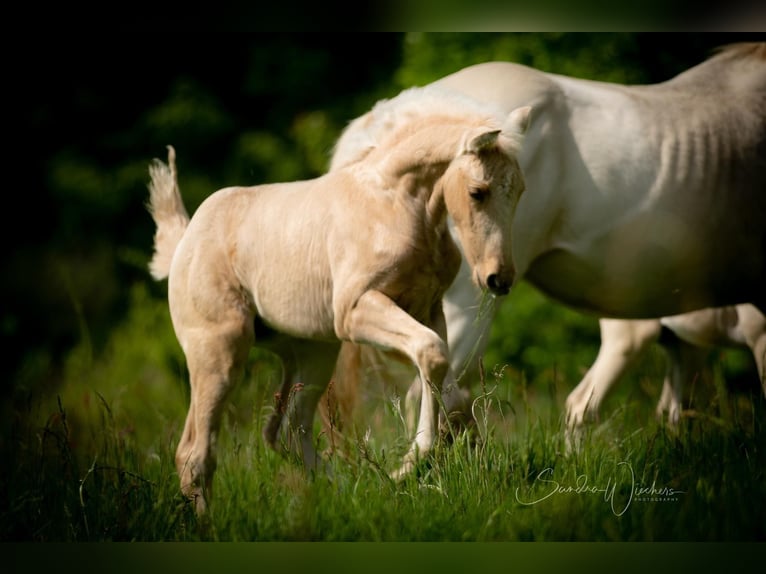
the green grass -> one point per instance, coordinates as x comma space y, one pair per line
514, 484
93, 460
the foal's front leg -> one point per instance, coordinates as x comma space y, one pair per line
377, 320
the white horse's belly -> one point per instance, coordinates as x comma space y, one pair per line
637, 277
590, 286
666, 255
707, 327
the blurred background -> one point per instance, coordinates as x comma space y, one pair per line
81, 320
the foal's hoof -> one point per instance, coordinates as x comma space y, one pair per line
199, 504
457, 424
194, 495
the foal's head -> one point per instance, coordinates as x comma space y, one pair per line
482, 187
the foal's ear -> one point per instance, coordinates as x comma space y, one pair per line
482, 141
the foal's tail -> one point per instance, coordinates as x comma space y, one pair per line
168, 211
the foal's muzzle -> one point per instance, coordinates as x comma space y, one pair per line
498, 285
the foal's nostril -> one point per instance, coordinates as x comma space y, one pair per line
497, 285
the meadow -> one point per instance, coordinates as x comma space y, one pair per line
96, 465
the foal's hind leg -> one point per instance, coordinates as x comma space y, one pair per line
215, 358
307, 368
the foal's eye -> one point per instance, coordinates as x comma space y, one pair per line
478, 193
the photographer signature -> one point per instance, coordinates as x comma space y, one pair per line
619, 500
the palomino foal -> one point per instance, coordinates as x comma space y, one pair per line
361, 254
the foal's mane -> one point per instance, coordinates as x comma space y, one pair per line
390, 120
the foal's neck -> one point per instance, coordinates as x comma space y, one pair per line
418, 157
425, 147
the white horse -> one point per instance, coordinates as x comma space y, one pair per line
361, 254
645, 201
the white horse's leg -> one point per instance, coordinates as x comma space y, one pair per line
215, 361
669, 406
468, 325
705, 327
621, 342
752, 324
684, 364
377, 320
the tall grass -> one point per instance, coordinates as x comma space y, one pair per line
93, 461
511, 480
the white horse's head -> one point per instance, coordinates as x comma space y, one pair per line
482, 187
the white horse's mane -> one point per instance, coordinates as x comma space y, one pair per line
738, 67
743, 50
